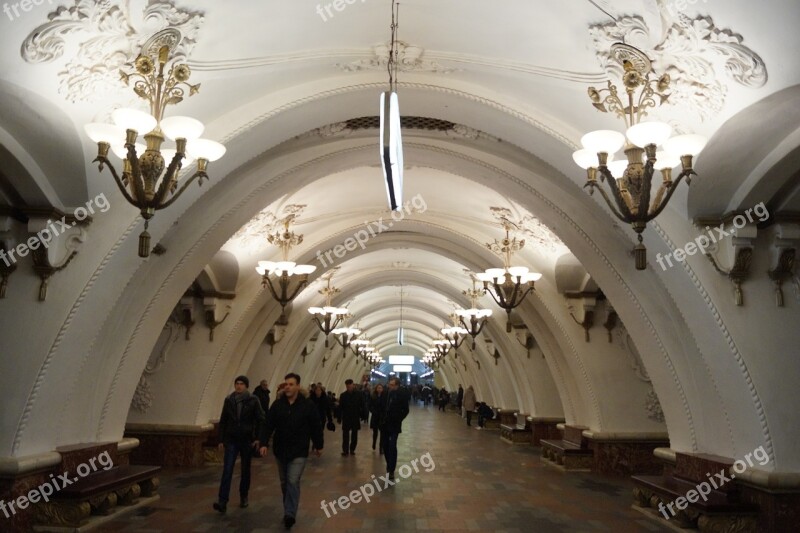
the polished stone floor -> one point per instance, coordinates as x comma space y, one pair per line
472, 482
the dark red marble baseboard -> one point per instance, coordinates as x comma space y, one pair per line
168, 448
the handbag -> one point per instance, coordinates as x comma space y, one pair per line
331, 426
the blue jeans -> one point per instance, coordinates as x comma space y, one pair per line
290, 472
232, 450
390, 450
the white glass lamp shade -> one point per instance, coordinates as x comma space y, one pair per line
483, 276
691, 144
122, 152
316, 310
617, 168
304, 269
517, 271
182, 128
646, 133
496, 273
108, 133
205, 149
608, 141
585, 158
285, 266
133, 119
531, 276
666, 160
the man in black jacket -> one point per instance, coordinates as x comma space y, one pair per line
294, 420
351, 407
241, 427
396, 411
262, 393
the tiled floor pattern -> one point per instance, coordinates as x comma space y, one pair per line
477, 483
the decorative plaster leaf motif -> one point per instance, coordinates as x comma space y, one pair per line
265, 223
694, 52
409, 59
94, 70
142, 399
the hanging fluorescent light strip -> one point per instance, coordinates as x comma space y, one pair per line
402, 368
400, 336
392, 149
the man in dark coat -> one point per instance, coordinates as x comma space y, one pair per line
460, 400
396, 411
262, 393
241, 428
295, 422
351, 410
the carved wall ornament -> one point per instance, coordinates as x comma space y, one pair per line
409, 59
784, 254
538, 233
653, 406
142, 399
740, 270
107, 39
266, 222
697, 55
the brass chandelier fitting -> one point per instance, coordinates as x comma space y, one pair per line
141, 182
630, 199
328, 317
290, 276
478, 318
508, 286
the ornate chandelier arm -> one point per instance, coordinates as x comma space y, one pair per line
684, 174
612, 184
169, 181
272, 289
136, 172
104, 161
524, 295
499, 302
647, 180
608, 201
180, 191
300, 285
483, 323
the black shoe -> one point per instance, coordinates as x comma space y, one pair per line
288, 521
221, 507
244, 503
352, 453
344, 454
391, 477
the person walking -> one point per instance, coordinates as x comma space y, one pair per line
241, 428
351, 408
262, 393
460, 400
377, 407
322, 404
469, 403
295, 422
396, 412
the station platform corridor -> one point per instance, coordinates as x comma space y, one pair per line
472, 481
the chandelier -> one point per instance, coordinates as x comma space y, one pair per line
361, 347
391, 143
344, 336
290, 276
375, 360
477, 317
328, 318
631, 193
141, 182
455, 334
508, 286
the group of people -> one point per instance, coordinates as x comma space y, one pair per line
294, 422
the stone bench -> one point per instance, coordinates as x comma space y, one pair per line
99, 493
519, 433
571, 452
719, 508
